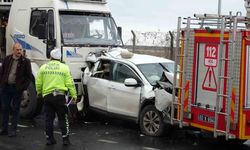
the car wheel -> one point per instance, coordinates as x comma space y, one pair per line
151, 121
30, 104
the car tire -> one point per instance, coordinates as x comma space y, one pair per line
30, 104
151, 121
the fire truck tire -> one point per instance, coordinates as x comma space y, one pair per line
222, 139
151, 121
30, 104
236, 141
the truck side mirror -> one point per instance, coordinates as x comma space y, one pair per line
42, 31
50, 30
51, 44
42, 25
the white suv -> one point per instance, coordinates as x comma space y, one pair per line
122, 83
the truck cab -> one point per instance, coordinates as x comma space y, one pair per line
77, 27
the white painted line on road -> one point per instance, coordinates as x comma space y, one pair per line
86, 122
107, 141
19, 125
22, 126
58, 132
150, 148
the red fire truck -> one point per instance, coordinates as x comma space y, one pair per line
213, 52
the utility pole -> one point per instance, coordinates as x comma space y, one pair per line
219, 11
134, 39
171, 45
219, 7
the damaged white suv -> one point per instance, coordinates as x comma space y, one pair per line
122, 83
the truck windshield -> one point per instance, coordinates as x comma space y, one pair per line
89, 29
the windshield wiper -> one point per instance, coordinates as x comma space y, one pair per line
166, 69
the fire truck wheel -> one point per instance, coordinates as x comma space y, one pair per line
236, 141
151, 121
30, 104
222, 139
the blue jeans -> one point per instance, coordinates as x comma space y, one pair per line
11, 100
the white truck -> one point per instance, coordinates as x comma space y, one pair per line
76, 26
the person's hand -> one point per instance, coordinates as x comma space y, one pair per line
74, 100
71, 101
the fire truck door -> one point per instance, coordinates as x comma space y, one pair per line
207, 72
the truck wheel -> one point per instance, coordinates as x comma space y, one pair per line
151, 121
30, 104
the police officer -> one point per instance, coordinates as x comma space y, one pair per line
52, 82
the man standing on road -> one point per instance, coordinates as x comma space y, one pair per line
15, 77
52, 82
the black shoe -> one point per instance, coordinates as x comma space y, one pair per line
12, 134
51, 142
66, 141
4, 132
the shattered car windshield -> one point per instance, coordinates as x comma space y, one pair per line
79, 28
153, 71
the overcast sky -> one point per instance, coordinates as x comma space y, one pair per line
162, 15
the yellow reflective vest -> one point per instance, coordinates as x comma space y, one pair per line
54, 76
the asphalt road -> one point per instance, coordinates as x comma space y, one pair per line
104, 133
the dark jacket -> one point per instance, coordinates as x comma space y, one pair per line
23, 72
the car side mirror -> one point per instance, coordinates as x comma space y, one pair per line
130, 82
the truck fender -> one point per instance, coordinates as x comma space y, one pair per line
31, 105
